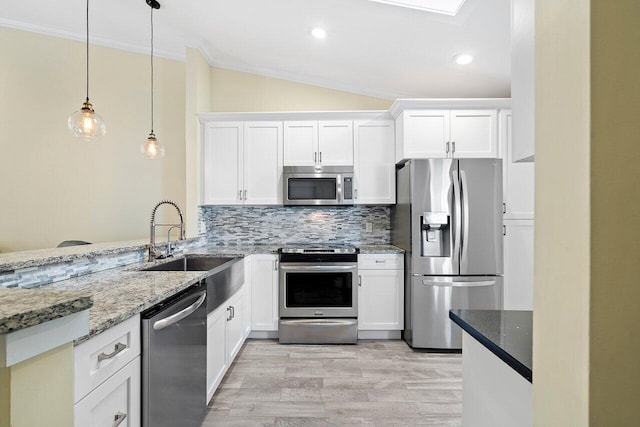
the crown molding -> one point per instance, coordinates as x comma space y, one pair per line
129, 47
399, 105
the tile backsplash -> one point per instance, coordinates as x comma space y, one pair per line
274, 225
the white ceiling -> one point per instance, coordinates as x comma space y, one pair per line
371, 48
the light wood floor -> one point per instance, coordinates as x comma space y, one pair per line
374, 383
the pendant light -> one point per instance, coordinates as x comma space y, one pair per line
85, 123
151, 148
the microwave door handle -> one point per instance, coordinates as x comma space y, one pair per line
339, 195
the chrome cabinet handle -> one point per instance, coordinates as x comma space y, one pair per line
504, 208
315, 157
118, 418
355, 193
117, 349
320, 157
453, 147
233, 312
239, 194
229, 316
275, 265
359, 280
447, 147
174, 318
245, 194
379, 261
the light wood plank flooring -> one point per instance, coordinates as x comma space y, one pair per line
374, 383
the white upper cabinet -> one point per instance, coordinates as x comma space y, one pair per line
262, 163
518, 176
323, 143
300, 143
423, 134
474, 133
374, 165
243, 163
222, 154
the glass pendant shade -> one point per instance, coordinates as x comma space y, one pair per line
86, 124
151, 148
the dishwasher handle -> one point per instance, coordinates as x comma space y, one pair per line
168, 321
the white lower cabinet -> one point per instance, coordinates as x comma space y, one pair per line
518, 265
264, 292
116, 402
225, 336
380, 292
107, 378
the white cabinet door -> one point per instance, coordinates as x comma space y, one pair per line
518, 177
518, 265
118, 398
374, 165
300, 143
381, 300
235, 332
223, 163
264, 292
425, 134
216, 348
263, 142
335, 143
474, 133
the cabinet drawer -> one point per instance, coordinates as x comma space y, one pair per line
116, 402
381, 262
100, 357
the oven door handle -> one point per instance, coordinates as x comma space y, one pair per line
317, 267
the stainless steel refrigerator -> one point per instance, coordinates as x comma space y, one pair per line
448, 219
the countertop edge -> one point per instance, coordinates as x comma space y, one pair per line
514, 363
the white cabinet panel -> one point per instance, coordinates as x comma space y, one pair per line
374, 165
380, 292
381, 300
425, 133
118, 398
518, 265
246, 304
335, 143
216, 348
264, 292
223, 163
235, 332
300, 143
263, 142
518, 177
474, 133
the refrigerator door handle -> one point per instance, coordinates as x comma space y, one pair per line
457, 219
455, 284
465, 218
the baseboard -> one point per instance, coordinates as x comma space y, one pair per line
379, 335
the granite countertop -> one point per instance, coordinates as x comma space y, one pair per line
380, 249
113, 295
506, 333
23, 308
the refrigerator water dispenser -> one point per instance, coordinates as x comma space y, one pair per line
436, 238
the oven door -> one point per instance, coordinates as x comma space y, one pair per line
309, 290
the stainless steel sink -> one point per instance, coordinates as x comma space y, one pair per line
225, 275
190, 263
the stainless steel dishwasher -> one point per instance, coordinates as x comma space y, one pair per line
174, 351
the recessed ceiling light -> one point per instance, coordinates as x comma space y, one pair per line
463, 59
319, 33
445, 7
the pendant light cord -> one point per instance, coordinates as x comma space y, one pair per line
151, 69
87, 50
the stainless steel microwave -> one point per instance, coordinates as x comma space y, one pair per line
309, 185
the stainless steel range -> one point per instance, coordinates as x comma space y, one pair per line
318, 294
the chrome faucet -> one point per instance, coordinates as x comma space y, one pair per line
154, 253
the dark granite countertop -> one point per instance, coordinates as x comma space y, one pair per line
506, 333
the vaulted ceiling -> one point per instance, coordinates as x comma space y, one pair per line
371, 48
